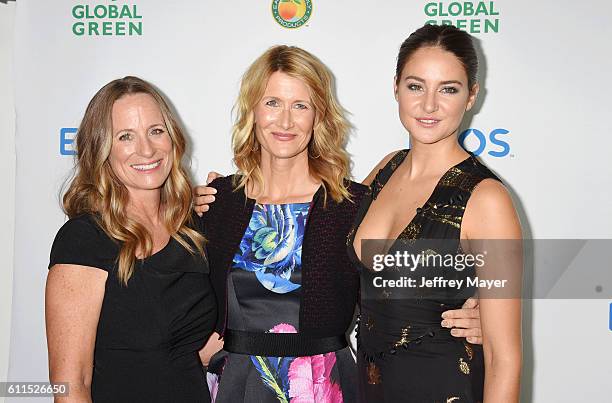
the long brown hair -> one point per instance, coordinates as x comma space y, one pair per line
328, 160
95, 189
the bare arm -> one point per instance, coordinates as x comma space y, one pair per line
73, 300
490, 215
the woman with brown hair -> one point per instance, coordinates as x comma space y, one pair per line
128, 299
438, 200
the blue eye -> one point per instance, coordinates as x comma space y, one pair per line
449, 90
300, 106
272, 102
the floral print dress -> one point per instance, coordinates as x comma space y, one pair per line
264, 287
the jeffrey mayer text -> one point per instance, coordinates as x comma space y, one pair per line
438, 282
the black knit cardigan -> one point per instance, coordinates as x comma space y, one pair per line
330, 282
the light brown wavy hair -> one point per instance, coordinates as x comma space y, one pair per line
328, 160
95, 189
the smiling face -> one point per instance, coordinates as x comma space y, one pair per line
141, 154
284, 117
433, 95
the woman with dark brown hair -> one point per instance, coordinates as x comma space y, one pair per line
128, 299
437, 199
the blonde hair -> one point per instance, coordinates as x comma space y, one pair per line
327, 158
95, 189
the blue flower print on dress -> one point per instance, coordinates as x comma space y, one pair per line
272, 245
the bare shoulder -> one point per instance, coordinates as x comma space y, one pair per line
490, 191
490, 213
368, 180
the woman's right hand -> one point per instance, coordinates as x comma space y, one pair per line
212, 346
204, 195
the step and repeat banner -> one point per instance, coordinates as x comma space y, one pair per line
542, 122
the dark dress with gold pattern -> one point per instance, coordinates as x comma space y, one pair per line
404, 354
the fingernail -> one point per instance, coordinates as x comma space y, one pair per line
445, 323
470, 339
454, 332
213, 198
200, 214
444, 315
214, 191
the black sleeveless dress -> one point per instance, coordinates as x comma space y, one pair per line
404, 354
149, 332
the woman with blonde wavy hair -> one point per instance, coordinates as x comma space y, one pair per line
128, 299
285, 288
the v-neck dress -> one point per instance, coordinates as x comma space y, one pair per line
404, 354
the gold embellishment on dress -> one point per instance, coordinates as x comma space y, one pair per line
449, 219
369, 324
374, 377
449, 222
435, 208
458, 178
403, 338
411, 232
469, 350
464, 367
441, 206
397, 159
453, 177
386, 294
452, 399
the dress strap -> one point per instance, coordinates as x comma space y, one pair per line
385, 172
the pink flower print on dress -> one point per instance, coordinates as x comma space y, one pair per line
283, 328
309, 380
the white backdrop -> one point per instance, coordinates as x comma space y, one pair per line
545, 82
7, 179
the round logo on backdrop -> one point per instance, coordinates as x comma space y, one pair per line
291, 13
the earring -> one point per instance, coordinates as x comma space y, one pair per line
256, 148
312, 156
